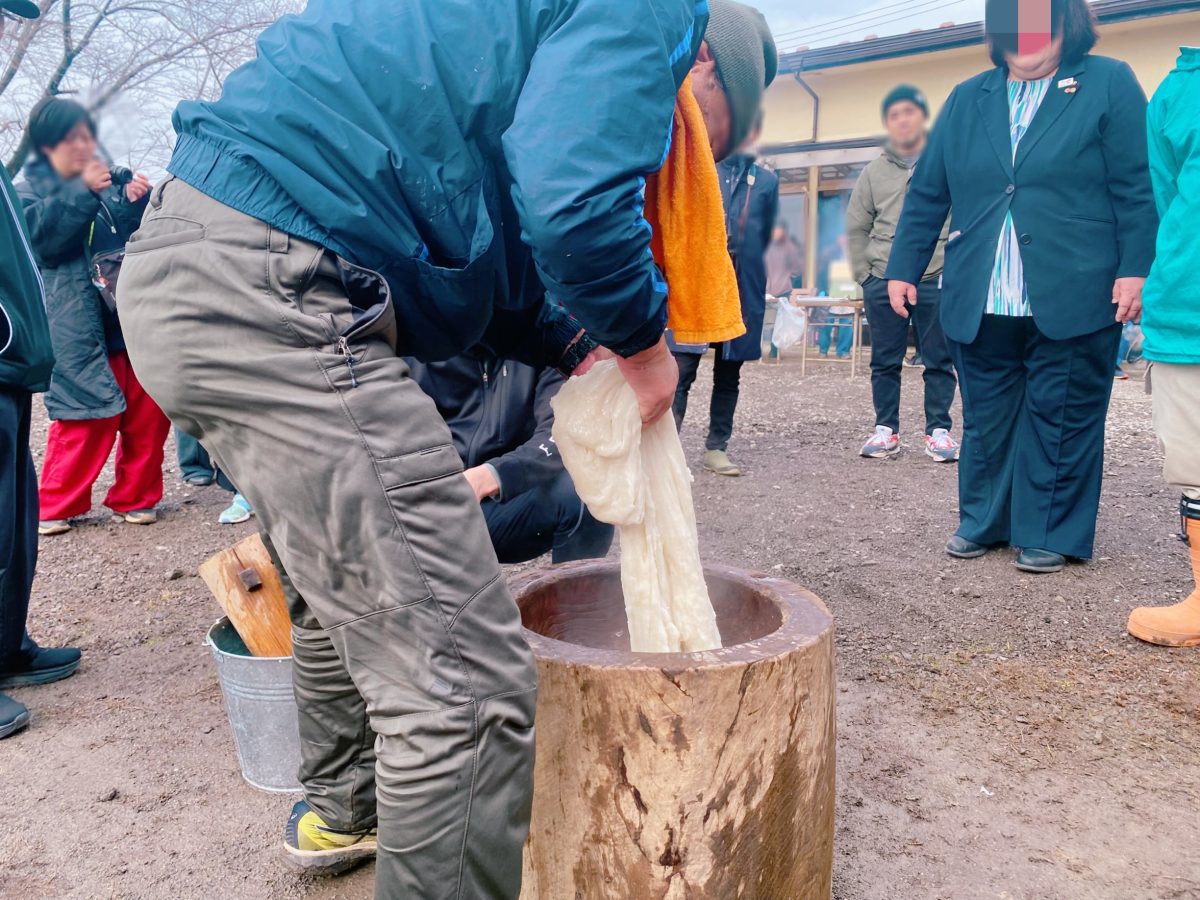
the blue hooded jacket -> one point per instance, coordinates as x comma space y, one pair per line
480, 154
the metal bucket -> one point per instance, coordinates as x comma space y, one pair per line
262, 710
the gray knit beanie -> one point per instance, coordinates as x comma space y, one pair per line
741, 44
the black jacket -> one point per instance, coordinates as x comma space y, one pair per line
62, 216
1079, 193
499, 413
26, 358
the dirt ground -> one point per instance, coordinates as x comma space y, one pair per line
999, 734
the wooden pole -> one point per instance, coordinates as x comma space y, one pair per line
812, 229
704, 776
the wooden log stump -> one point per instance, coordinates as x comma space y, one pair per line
671, 776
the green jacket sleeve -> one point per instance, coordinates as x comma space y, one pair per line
860, 216
579, 147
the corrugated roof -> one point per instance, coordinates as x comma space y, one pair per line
952, 36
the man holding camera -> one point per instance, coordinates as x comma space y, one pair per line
79, 209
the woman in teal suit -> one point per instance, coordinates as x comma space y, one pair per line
1043, 163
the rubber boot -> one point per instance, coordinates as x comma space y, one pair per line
1178, 625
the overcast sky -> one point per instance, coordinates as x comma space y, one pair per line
808, 22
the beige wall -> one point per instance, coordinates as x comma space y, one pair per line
850, 95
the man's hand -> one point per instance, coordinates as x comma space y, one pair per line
902, 295
653, 374
1127, 295
483, 482
138, 188
97, 177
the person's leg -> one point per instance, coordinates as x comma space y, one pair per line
194, 464
144, 428
76, 451
1059, 464
1176, 390
940, 380
824, 334
547, 518
337, 745
889, 342
845, 341
22, 662
18, 518
355, 477
727, 377
992, 380
689, 365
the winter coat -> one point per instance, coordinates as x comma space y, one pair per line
62, 216
26, 356
874, 213
750, 193
1079, 193
499, 415
1171, 320
482, 155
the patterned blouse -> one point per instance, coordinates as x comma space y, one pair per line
1009, 295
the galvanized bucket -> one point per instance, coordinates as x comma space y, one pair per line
262, 710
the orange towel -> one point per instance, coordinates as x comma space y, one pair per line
684, 207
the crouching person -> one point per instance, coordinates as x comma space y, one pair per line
500, 418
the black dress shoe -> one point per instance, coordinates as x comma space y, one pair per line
39, 666
960, 548
13, 716
1040, 562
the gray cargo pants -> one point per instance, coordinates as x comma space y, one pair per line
415, 686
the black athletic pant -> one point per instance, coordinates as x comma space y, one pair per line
889, 344
550, 518
18, 521
727, 376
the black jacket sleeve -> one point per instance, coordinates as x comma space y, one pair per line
927, 205
537, 460
1125, 146
60, 220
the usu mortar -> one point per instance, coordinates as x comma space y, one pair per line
695, 775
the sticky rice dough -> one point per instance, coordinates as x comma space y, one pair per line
637, 480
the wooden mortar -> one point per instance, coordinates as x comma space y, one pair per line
671, 776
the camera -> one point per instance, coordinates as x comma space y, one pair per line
121, 176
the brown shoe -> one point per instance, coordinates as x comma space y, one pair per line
1178, 625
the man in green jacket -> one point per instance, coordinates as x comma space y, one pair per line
26, 361
1171, 323
871, 220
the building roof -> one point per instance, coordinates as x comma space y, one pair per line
952, 36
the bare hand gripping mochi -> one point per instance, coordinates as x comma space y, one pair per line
637, 479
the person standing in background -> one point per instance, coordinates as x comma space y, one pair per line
196, 468
871, 221
75, 212
1043, 160
1171, 325
26, 360
784, 261
751, 196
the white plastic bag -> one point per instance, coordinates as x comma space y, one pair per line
790, 322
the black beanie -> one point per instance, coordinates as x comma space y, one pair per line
904, 92
747, 61
53, 118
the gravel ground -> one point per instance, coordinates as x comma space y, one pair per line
999, 734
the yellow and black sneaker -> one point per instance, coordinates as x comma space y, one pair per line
315, 846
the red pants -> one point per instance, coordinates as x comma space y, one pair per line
77, 450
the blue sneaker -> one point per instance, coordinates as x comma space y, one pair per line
13, 716
940, 447
239, 511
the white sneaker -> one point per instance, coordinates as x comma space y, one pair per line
940, 447
883, 443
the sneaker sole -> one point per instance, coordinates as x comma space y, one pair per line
232, 521
932, 454
880, 454
15, 725
44, 676
728, 473
54, 532
331, 862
